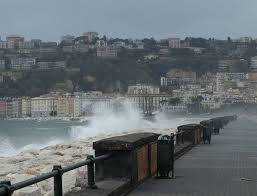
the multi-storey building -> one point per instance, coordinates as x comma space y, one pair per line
22, 63
149, 103
143, 89
3, 45
43, 107
48, 47
62, 107
67, 39
13, 41
3, 109
90, 36
253, 65
180, 77
94, 102
73, 106
26, 107
107, 52
174, 43
2, 64
13, 108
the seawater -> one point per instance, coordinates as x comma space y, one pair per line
20, 135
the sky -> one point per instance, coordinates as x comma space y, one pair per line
50, 19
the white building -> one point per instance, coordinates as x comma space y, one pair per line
2, 64
43, 107
23, 63
26, 107
143, 89
164, 81
107, 52
253, 65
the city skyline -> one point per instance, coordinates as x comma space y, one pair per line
129, 19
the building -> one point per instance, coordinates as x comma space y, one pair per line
3, 109
174, 43
151, 57
107, 52
13, 41
245, 39
67, 39
3, 45
94, 102
48, 47
164, 81
180, 77
224, 80
143, 89
149, 103
212, 101
91, 36
23, 63
43, 107
26, 107
13, 108
2, 64
73, 106
62, 107
253, 65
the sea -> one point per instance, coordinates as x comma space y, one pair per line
32, 134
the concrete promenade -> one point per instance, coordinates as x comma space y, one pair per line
227, 167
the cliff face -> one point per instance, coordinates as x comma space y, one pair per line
29, 164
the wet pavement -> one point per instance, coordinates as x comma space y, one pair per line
228, 166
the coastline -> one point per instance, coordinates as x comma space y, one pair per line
29, 164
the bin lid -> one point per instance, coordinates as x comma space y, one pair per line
189, 127
206, 122
125, 142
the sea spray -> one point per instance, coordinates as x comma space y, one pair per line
127, 119
19, 136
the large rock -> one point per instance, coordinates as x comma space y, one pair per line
28, 191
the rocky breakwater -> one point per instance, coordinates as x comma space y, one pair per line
30, 164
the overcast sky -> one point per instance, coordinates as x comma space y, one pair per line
49, 19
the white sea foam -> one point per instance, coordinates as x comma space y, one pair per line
7, 149
105, 122
108, 122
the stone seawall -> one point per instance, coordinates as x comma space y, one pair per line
33, 163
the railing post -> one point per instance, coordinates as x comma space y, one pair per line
7, 186
177, 139
91, 173
173, 154
58, 180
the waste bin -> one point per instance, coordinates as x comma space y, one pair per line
207, 130
165, 163
194, 133
135, 157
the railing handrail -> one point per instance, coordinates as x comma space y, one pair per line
14, 187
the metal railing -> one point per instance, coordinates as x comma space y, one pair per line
7, 189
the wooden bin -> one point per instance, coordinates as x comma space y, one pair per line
135, 157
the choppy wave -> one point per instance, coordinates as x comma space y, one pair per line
105, 122
8, 149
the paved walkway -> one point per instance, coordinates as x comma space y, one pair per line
226, 167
